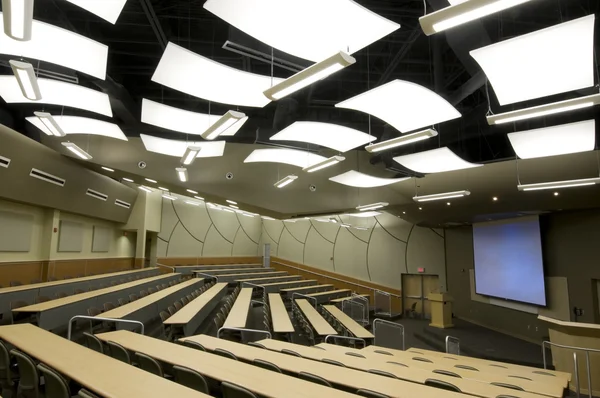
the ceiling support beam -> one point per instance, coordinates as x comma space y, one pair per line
154, 23
473, 84
414, 35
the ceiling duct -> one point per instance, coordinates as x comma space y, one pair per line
97, 195
52, 179
122, 203
4, 162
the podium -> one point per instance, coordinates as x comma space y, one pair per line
441, 310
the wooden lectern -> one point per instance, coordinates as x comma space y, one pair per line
441, 310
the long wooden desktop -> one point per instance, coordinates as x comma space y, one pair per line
349, 323
238, 316
318, 323
279, 315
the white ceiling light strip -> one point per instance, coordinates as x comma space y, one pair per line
404, 105
461, 12
434, 161
182, 174
364, 214
546, 62
190, 154
56, 92
285, 181
324, 164
109, 10
329, 135
193, 74
441, 196
59, 46
356, 179
402, 140
81, 125
310, 75
80, 153
288, 156
555, 140
584, 182
372, 206
229, 121
177, 148
545, 110
18, 18
50, 124
25, 76
309, 29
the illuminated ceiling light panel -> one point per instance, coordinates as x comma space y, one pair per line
559, 184
324, 164
404, 105
545, 110
50, 124
356, 179
333, 25
372, 206
182, 174
441, 196
18, 18
329, 135
230, 120
190, 154
402, 140
434, 161
108, 10
546, 62
555, 140
289, 156
285, 181
26, 79
80, 153
145, 189
177, 148
81, 125
59, 46
193, 74
364, 214
59, 93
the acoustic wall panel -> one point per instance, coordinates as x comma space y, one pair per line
101, 239
15, 231
70, 237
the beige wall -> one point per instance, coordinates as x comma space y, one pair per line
36, 252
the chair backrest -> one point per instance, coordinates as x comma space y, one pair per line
5, 374
194, 345
314, 378
18, 304
413, 307
422, 359
290, 352
355, 354
164, 315
61, 295
109, 306
86, 394
184, 301
266, 365
133, 297
382, 373
171, 310
143, 293
225, 353
370, 394
16, 283
93, 311
52, 278
189, 297
29, 379
190, 379
332, 362
446, 373
41, 299
467, 367
122, 301
92, 342
35, 280
78, 291
506, 385
442, 385
117, 351
55, 385
151, 290
177, 305
149, 364
257, 345
231, 390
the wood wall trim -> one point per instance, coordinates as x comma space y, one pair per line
172, 261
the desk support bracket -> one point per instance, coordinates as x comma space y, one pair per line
95, 318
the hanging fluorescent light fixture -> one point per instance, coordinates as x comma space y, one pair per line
224, 123
372, 206
191, 152
191, 202
127, 179
108, 169
198, 197
285, 181
308, 76
192, 191
402, 140
18, 18
232, 202
50, 123
559, 184
170, 197
150, 180
345, 225
464, 12
182, 174
440, 196
28, 83
145, 189
323, 164
234, 207
163, 189
545, 110
77, 151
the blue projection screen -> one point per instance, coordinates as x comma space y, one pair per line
508, 260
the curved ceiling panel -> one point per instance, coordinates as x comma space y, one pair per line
176, 119
108, 10
289, 156
193, 74
55, 92
309, 29
556, 140
328, 135
404, 105
59, 46
81, 125
546, 62
177, 148
354, 178
434, 161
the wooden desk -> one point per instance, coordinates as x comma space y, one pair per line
218, 271
306, 289
324, 297
319, 324
235, 277
239, 312
409, 373
279, 315
192, 315
270, 279
260, 381
98, 373
342, 299
347, 378
57, 313
276, 287
349, 323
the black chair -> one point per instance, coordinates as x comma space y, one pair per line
184, 301
225, 353
8, 377
149, 364
29, 378
177, 305
109, 306
86, 394
314, 378
190, 379
143, 293
382, 373
194, 345
55, 385
117, 351
19, 317
441, 385
151, 290
60, 295
171, 310
16, 283
370, 394
122, 301
93, 343
266, 365
78, 291
231, 390
52, 279
133, 297
290, 352
35, 280
41, 299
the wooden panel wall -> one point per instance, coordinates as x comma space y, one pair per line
209, 260
24, 272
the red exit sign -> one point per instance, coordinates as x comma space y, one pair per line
420, 270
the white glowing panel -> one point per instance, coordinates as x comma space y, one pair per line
193, 74
176, 119
108, 10
434, 161
59, 46
556, 140
177, 148
364, 214
332, 136
81, 125
354, 178
289, 156
309, 29
404, 105
56, 92
546, 62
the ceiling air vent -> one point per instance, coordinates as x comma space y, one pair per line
122, 204
96, 194
40, 175
4, 162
